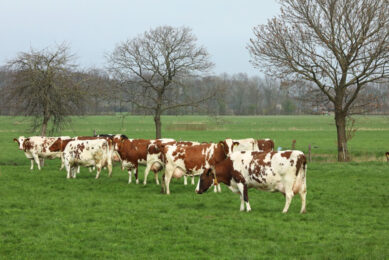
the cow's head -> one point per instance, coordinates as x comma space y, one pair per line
118, 141
266, 145
225, 148
20, 141
206, 180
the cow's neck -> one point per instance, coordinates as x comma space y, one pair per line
224, 171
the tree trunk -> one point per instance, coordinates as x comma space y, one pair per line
44, 126
340, 121
158, 124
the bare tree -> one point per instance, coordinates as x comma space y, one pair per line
153, 67
340, 45
43, 86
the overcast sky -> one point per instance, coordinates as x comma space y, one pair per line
92, 28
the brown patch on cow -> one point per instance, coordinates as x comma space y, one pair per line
301, 161
291, 162
27, 145
258, 165
265, 145
286, 154
223, 171
81, 147
16, 140
132, 150
196, 157
89, 138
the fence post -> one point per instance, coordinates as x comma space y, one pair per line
309, 153
293, 144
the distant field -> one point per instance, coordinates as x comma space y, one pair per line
370, 142
45, 216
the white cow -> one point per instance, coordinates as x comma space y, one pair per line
97, 153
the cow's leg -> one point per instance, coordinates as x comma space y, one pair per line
109, 169
90, 169
148, 166
288, 196
168, 177
303, 195
193, 180
62, 163
156, 177
136, 174
98, 171
42, 162
243, 197
163, 187
129, 175
36, 159
74, 172
217, 188
68, 169
78, 169
32, 164
185, 180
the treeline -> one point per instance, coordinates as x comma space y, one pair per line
237, 94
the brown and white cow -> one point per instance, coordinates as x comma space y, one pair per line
133, 152
190, 160
155, 160
89, 153
283, 171
60, 144
36, 148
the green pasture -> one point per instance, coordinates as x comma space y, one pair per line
45, 216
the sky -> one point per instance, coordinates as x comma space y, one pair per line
92, 28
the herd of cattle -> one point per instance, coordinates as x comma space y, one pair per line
240, 164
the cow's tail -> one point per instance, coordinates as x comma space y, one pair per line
301, 170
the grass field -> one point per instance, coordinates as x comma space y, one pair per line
45, 216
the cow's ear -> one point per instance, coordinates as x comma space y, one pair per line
16, 140
221, 143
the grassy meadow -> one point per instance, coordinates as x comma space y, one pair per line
45, 216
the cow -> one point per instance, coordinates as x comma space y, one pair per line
96, 153
283, 171
133, 152
387, 156
36, 148
249, 144
190, 160
60, 144
155, 160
